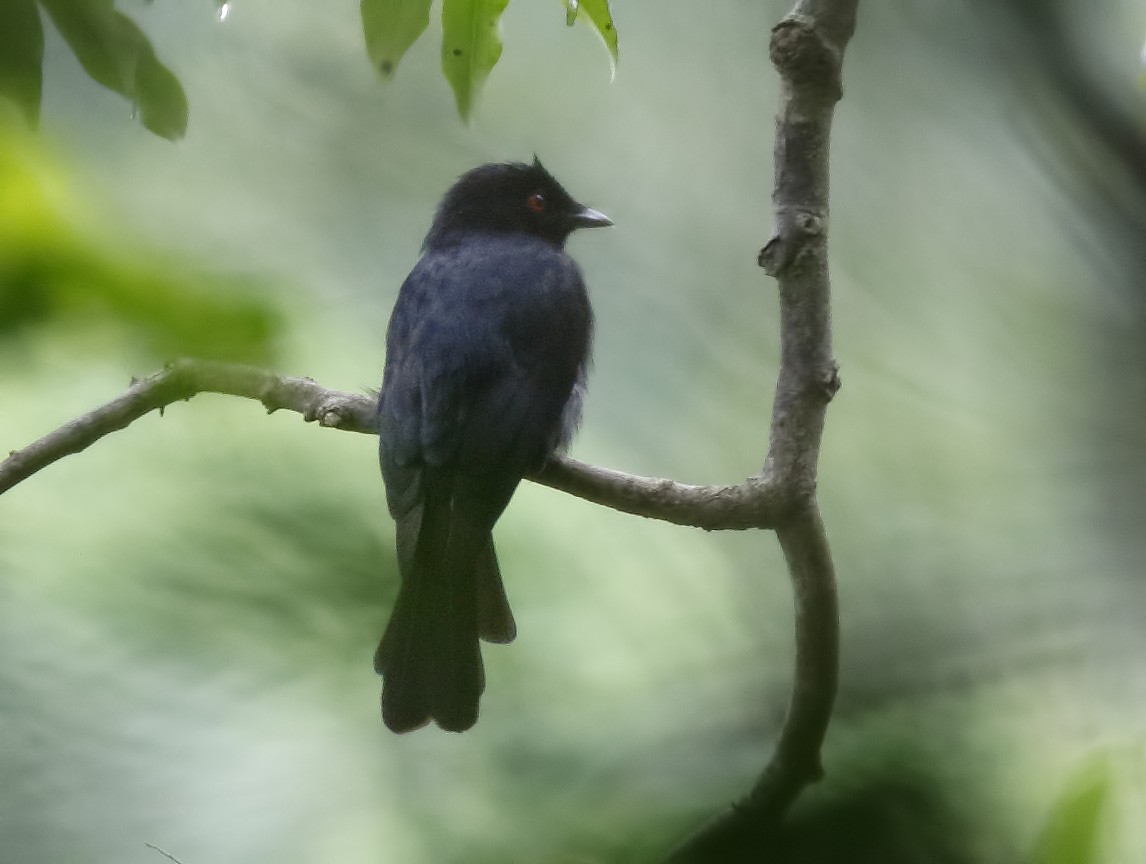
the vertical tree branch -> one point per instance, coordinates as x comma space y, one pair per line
807, 50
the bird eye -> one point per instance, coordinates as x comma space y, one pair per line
536, 202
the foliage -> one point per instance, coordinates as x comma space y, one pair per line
391, 27
471, 43
1073, 833
471, 46
110, 47
53, 272
598, 14
116, 53
21, 54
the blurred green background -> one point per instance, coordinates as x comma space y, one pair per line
188, 610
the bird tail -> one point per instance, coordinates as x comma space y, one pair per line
451, 594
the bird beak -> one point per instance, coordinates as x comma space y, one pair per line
588, 218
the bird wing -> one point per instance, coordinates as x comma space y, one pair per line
470, 378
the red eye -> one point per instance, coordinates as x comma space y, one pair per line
536, 202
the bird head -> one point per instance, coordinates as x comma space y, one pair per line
511, 197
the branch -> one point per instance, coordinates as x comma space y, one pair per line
755, 503
180, 381
807, 50
751, 504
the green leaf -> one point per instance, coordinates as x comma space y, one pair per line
21, 55
471, 46
159, 96
97, 36
599, 16
117, 54
391, 27
1073, 830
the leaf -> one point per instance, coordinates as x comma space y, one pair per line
390, 28
117, 54
96, 34
1073, 830
599, 16
471, 46
21, 55
159, 96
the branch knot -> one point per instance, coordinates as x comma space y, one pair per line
793, 233
830, 382
804, 57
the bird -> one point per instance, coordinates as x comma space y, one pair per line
487, 353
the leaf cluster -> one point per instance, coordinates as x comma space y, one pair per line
116, 53
108, 45
471, 42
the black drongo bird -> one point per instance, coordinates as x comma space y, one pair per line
486, 358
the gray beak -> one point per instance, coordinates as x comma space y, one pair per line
588, 218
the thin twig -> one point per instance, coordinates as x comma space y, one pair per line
163, 852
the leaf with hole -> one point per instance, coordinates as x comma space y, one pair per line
390, 28
598, 15
471, 46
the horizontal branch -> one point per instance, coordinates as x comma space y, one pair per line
179, 381
755, 503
